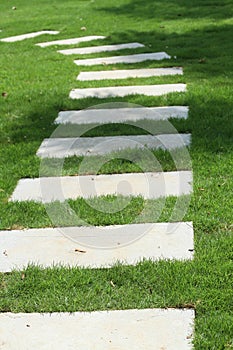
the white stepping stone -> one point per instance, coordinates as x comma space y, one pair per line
84, 146
72, 41
147, 185
156, 56
13, 39
121, 91
145, 329
119, 115
130, 73
96, 49
97, 246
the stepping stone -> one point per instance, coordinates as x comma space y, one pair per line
13, 39
147, 185
84, 146
97, 246
130, 73
121, 91
105, 48
123, 59
72, 41
145, 329
119, 115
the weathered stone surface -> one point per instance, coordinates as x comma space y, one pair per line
147, 185
96, 49
145, 329
129, 73
118, 115
84, 146
122, 91
99, 246
13, 39
123, 59
72, 41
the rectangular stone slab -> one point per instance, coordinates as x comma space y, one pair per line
98, 246
119, 115
13, 39
129, 73
147, 185
145, 329
86, 146
122, 91
105, 48
123, 59
72, 41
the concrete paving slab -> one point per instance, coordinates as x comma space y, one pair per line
119, 115
147, 185
86, 146
121, 91
72, 41
145, 329
97, 246
96, 49
123, 59
13, 39
129, 73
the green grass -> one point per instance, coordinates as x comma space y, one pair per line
38, 81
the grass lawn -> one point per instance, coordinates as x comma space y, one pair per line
34, 86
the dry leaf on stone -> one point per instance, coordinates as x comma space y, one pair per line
79, 250
17, 227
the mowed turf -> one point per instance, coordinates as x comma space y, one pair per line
35, 84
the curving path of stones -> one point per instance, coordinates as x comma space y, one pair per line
136, 329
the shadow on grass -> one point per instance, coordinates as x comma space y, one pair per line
205, 56
171, 9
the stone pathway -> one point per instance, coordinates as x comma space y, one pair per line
84, 146
13, 39
122, 91
117, 115
134, 329
129, 73
150, 329
97, 246
96, 49
72, 41
147, 185
156, 56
